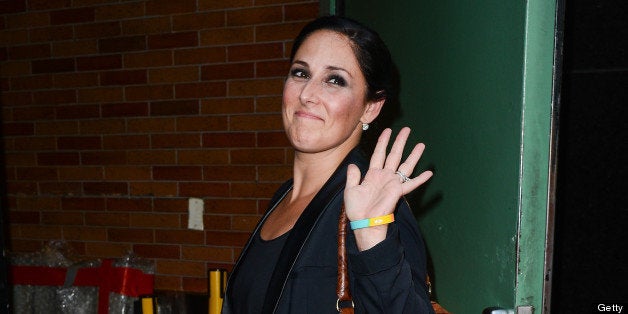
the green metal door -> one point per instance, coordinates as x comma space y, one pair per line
476, 87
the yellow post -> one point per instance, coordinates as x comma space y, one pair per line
148, 305
217, 285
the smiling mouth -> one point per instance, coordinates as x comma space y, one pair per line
301, 114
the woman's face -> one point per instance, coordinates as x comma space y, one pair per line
324, 102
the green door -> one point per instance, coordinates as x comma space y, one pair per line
476, 87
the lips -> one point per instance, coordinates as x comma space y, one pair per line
307, 115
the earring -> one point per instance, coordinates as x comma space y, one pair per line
365, 126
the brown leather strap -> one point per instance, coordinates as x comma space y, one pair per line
344, 304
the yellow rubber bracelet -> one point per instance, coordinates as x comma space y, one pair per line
370, 222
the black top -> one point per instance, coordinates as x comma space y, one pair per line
251, 282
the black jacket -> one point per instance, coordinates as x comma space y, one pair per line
388, 278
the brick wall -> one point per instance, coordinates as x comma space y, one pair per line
114, 113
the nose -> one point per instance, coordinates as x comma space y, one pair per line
309, 93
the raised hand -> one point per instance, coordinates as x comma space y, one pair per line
384, 183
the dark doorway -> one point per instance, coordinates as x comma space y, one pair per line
591, 247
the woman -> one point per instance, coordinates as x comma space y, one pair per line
339, 79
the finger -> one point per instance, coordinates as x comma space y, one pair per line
407, 167
353, 176
414, 183
379, 154
396, 151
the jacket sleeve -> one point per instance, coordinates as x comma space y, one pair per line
391, 276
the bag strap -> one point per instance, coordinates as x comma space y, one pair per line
344, 303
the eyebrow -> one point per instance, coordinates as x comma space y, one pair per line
329, 67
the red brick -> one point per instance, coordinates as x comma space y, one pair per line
37, 51
79, 142
180, 268
53, 65
123, 142
18, 129
70, 16
22, 188
278, 32
102, 126
168, 283
174, 236
171, 205
62, 218
259, 87
258, 156
171, 75
200, 90
205, 253
152, 125
37, 173
272, 68
62, 96
129, 173
131, 109
155, 157
33, 113
167, 7
66, 80
23, 217
202, 123
194, 285
105, 188
227, 105
129, 204
227, 71
229, 173
173, 40
107, 219
31, 82
15, 68
149, 92
13, 6
177, 173
103, 158
203, 189
131, 235
257, 15
20, 159
146, 25
225, 36
274, 173
245, 223
52, 159
301, 11
75, 48
175, 140
220, 4
272, 139
203, 157
83, 203
53, 33
104, 62
198, 21
60, 188
107, 250
41, 232
267, 122
80, 173
42, 203
172, 108
57, 127
153, 220
48, 4
120, 11
256, 190
230, 139
216, 222
99, 95
255, 52
19, 245
148, 59
16, 98
122, 44
222, 238
34, 144
200, 55
128, 77
157, 251
98, 30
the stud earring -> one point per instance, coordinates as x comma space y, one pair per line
365, 126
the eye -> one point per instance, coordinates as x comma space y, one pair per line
337, 80
299, 73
